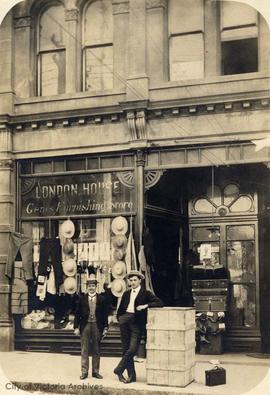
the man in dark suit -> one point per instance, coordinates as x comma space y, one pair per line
132, 317
91, 322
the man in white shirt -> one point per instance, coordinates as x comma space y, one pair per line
132, 317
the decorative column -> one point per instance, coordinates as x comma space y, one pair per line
157, 40
137, 82
212, 38
7, 224
120, 42
263, 44
72, 49
139, 188
6, 66
24, 74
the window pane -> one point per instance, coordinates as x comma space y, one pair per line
25, 167
237, 14
128, 161
92, 163
99, 68
51, 29
59, 165
75, 164
43, 167
204, 234
186, 57
242, 306
241, 232
111, 162
98, 24
246, 60
185, 16
53, 74
204, 206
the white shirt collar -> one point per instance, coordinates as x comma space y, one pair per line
91, 296
137, 290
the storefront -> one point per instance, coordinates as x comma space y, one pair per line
218, 212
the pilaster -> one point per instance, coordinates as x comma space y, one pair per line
212, 38
72, 50
120, 42
139, 187
7, 224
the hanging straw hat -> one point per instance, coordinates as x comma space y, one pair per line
67, 229
68, 247
118, 255
118, 269
69, 267
70, 285
134, 273
119, 241
118, 287
119, 225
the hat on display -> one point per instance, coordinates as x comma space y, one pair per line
68, 247
119, 269
119, 241
70, 285
118, 255
70, 267
119, 225
134, 273
67, 229
118, 287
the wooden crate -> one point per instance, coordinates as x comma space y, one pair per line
170, 346
172, 378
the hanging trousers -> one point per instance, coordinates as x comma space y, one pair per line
130, 337
90, 335
51, 248
19, 242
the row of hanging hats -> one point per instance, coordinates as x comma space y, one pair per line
119, 227
67, 230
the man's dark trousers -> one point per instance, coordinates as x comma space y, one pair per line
131, 335
90, 334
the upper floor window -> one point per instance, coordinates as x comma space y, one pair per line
186, 41
98, 46
51, 51
239, 38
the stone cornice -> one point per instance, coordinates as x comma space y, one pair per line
135, 113
72, 15
120, 7
24, 21
156, 4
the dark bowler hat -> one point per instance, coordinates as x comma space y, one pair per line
134, 273
91, 281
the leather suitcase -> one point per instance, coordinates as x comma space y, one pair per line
215, 376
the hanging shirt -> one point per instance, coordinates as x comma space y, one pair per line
133, 295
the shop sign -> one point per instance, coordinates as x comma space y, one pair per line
84, 194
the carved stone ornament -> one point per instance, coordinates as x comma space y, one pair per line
136, 124
24, 21
7, 164
151, 178
120, 8
72, 15
156, 3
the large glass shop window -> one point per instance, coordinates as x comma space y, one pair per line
241, 266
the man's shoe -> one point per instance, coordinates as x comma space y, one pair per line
83, 376
97, 375
120, 376
131, 379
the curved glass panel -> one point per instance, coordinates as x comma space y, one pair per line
231, 191
204, 206
243, 203
214, 195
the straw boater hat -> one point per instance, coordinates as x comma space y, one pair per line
119, 241
134, 273
119, 225
69, 267
118, 287
67, 229
118, 269
118, 255
70, 285
68, 247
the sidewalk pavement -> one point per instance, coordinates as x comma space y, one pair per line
59, 373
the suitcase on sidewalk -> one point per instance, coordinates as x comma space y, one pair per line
215, 376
